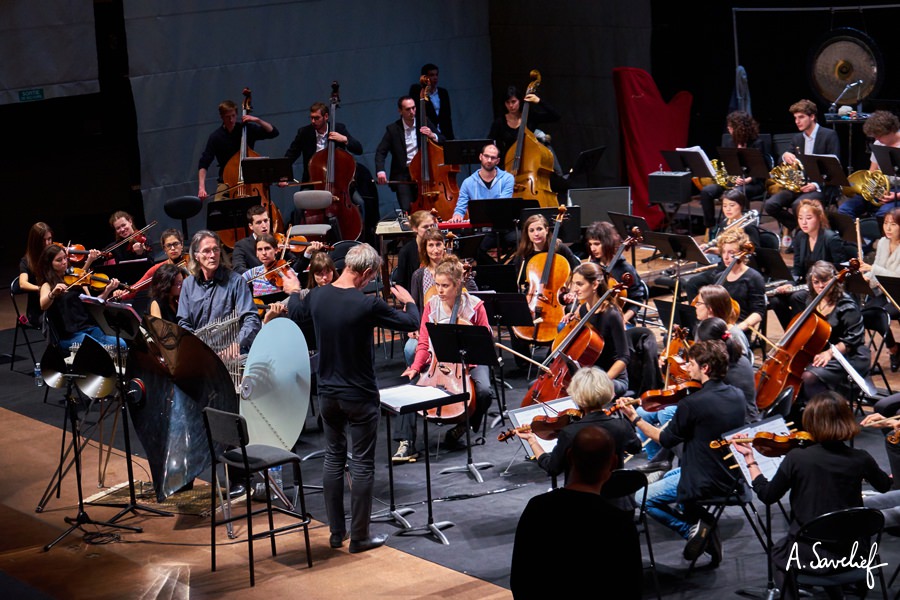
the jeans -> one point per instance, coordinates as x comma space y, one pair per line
657, 419
858, 207
362, 418
94, 332
661, 503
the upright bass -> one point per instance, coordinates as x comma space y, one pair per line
334, 170
438, 188
806, 336
233, 177
530, 161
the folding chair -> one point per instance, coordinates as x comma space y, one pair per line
876, 320
22, 324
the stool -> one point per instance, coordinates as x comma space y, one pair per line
183, 208
312, 200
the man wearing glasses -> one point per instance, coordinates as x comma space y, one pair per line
487, 183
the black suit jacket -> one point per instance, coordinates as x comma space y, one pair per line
304, 145
393, 142
827, 142
444, 120
829, 247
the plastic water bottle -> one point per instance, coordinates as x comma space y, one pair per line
276, 475
38, 377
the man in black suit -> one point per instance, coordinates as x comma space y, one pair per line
438, 107
811, 139
314, 137
402, 141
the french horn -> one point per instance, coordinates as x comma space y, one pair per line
871, 185
791, 177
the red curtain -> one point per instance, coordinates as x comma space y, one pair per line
648, 125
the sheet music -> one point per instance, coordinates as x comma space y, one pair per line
525, 415
402, 395
702, 154
864, 385
775, 425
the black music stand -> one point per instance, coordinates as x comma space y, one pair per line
624, 224
888, 159
467, 246
694, 161
674, 161
230, 213
501, 214
266, 170
497, 278
82, 517
585, 164
744, 162
676, 247
771, 265
685, 314
504, 310
464, 152
122, 322
890, 286
400, 404
824, 169
464, 344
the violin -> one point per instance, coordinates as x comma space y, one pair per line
805, 337
769, 444
437, 185
654, 400
106, 253
274, 275
296, 243
530, 161
676, 355
546, 272
76, 252
97, 281
543, 426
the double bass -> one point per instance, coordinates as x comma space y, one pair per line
233, 177
546, 272
334, 170
437, 185
806, 336
530, 161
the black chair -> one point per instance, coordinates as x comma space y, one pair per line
877, 321
836, 532
183, 208
340, 252
23, 325
229, 430
781, 405
769, 239
627, 483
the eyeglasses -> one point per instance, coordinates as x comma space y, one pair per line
209, 251
173, 245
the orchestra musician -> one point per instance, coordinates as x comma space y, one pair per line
225, 141
734, 205
505, 129
39, 237
701, 417
348, 393
591, 390
810, 139
542, 547
213, 292
813, 242
886, 416
123, 224
450, 298
244, 256
68, 319
715, 301
602, 243
848, 335
438, 105
408, 259
589, 285
744, 131
487, 183
887, 263
266, 252
401, 140
823, 477
884, 127
165, 289
172, 242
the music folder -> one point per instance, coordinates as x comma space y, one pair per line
260, 169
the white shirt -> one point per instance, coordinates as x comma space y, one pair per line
412, 141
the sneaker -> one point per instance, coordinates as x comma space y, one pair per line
406, 452
696, 541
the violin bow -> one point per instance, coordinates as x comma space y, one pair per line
669, 332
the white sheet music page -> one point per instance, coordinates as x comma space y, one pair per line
775, 425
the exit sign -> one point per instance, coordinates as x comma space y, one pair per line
31, 95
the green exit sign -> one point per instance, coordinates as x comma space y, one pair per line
31, 95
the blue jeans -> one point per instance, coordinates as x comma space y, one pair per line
661, 503
94, 332
362, 418
657, 419
409, 350
858, 207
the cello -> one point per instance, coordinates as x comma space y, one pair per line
530, 161
437, 185
336, 169
233, 176
806, 336
576, 345
546, 272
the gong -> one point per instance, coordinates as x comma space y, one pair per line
845, 56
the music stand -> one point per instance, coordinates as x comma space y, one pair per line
890, 286
677, 247
504, 310
673, 160
266, 170
685, 314
122, 322
771, 265
464, 152
696, 161
888, 159
230, 213
586, 162
465, 345
501, 214
82, 517
744, 162
824, 169
468, 246
498, 278
624, 224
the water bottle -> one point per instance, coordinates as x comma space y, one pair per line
38, 377
276, 475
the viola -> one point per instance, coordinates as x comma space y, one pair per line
769, 444
437, 186
894, 437
575, 346
805, 337
233, 176
655, 400
630, 241
546, 273
335, 170
76, 252
530, 161
94, 280
545, 427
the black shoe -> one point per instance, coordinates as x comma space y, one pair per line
654, 466
337, 539
368, 544
237, 490
697, 539
452, 437
895, 361
714, 549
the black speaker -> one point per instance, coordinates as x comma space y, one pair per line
597, 203
670, 187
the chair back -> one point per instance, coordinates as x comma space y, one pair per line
876, 319
225, 428
624, 483
836, 533
768, 239
782, 404
781, 143
312, 199
340, 252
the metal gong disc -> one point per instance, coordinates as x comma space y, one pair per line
846, 56
97, 367
274, 395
